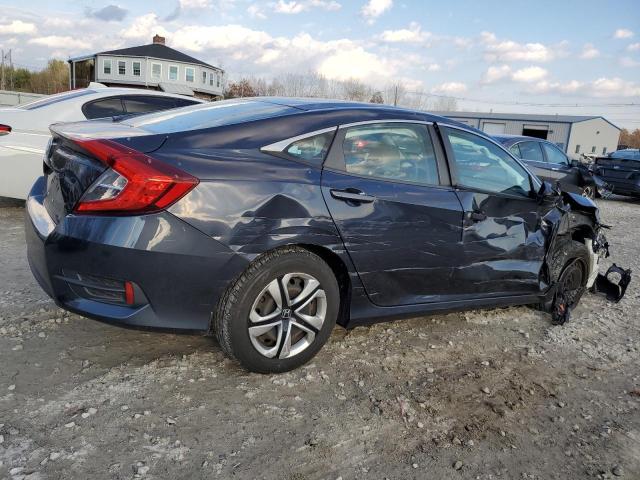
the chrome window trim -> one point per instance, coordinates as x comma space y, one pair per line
533, 176
281, 146
384, 120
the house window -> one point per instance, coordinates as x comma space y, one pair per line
204, 77
211, 79
189, 74
106, 67
136, 69
604, 150
173, 72
577, 148
218, 79
156, 70
593, 149
122, 67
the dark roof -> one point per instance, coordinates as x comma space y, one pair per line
157, 50
530, 117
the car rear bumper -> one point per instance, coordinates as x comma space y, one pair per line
178, 273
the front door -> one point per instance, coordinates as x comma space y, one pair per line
560, 169
502, 245
385, 185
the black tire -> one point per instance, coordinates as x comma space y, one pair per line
232, 319
571, 258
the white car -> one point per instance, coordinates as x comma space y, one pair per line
24, 129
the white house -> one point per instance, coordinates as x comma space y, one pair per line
154, 66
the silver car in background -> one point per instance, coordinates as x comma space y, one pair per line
24, 129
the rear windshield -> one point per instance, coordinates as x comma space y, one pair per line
208, 115
51, 99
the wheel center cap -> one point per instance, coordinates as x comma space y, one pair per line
286, 313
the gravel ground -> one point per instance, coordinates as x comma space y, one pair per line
484, 394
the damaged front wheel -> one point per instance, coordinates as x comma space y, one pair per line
572, 281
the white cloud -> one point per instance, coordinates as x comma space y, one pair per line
354, 63
603, 87
62, 43
374, 8
589, 52
433, 67
634, 47
529, 74
144, 27
294, 6
449, 88
524, 75
495, 73
628, 62
256, 11
413, 34
622, 33
195, 4
18, 27
509, 51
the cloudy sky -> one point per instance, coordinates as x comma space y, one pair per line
524, 56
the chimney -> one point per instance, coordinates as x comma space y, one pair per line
158, 39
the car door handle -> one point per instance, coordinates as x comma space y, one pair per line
352, 195
478, 216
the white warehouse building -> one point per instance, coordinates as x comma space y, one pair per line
574, 134
154, 66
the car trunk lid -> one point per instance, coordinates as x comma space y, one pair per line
69, 169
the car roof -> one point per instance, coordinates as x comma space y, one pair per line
511, 139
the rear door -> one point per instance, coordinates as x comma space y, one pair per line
386, 187
502, 246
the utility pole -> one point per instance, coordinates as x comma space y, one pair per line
395, 95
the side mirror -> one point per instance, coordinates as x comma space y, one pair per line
547, 190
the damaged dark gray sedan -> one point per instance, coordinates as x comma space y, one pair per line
267, 221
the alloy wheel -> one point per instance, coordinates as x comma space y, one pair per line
588, 192
287, 315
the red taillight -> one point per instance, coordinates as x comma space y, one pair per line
5, 129
135, 182
129, 295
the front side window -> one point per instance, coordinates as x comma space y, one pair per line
136, 69
531, 151
173, 72
482, 165
311, 149
189, 74
106, 67
156, 70
392, 151
554, 155
122, 67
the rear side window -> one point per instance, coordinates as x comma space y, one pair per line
531, 151
392, 151
311, 149
483, 166
106, 107
515, 150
